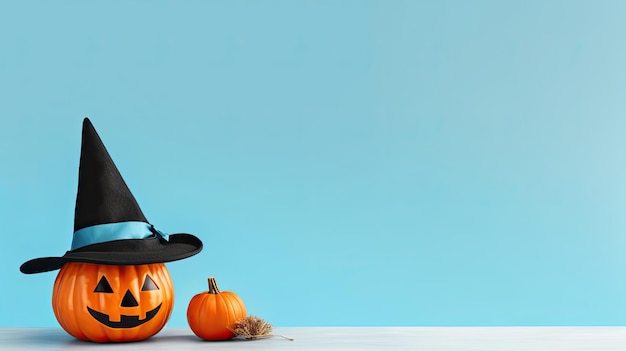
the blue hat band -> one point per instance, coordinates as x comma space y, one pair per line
102, 233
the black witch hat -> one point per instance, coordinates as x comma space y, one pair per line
109, 226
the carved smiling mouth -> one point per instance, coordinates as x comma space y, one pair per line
125, 321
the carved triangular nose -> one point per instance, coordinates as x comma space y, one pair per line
129, 300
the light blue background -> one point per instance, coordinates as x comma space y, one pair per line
344, 162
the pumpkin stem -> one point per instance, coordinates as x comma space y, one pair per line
213, 289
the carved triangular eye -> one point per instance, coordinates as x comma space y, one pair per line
103, 286
149, 284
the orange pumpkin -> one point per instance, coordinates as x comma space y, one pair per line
109, 303
212, 314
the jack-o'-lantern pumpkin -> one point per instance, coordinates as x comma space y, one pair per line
106, 303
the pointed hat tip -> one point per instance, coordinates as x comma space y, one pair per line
88, 127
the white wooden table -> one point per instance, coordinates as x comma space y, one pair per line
346, 338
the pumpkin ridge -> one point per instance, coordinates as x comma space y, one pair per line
86, 270
56, 290
135, 272
204, 319
232, 313
227, 311
62, 291
76, 270
158, 270
71, 274
170, 292
101, 302
159, 273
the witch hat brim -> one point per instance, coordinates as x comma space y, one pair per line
122, 252
109, 226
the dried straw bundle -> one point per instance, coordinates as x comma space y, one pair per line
253, 327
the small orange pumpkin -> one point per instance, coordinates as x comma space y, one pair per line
212, 314
109, 303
